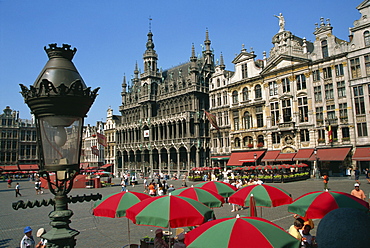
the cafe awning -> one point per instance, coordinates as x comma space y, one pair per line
25, 167
10, 167
331, 154
362, 154
285, 156
220, 158
238, 158
270, 156
303, 154
106, 166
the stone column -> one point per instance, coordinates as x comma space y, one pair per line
169, 164
178, 164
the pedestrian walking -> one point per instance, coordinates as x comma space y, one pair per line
9, 182
326, 181
367, 172
17, 189
357, 175
123, 185
42, 243
27, 240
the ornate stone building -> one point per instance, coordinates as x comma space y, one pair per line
305, 102
163, 126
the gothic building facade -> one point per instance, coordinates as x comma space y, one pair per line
163, 127
305, 102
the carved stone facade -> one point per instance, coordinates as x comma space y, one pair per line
163, 127
305, 95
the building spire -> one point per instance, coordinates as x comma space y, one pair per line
124, 84
207, 42
222, 64
150, 24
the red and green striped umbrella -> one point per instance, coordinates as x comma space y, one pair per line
264, 196
115, 205
240, 232
221, 188
315, 205
207, 197
169, 211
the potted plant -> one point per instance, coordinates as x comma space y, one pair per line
260, 144
250, 145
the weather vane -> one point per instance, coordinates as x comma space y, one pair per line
150, 24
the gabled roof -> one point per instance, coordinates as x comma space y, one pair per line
282, 61
243, 56
364, 4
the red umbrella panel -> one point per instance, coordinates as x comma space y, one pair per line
264, 196
315, 205
169, 211
246, 232
221, 188
115, 205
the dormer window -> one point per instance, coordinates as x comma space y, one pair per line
367, 38
324, 49
218, 82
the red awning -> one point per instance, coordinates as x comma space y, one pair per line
362, 154
106, 166
286, 156
331, 154
25, 167
10, 167
220, 157
238, 158
270, 156
303, 154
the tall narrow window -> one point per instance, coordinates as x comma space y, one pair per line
225, 98
317, 93
303, 109
273, 88
219, 119
339, 70
258, 91
247, 118
274, 106
275, 138
237, 142
343, 114
324, 49
244, 70
345, 132
245, 94
236, 120
319, 114
286, 85
305, 135
358, 94
301, 82
361, 129
259, 116
235, 96
226, 117
287, 111
329, 91
367, 65
355, 68
330, 111
219, 99
341, 87
327, 72
218, 82
316, 75
367, 38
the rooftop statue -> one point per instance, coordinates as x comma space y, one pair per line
281, 22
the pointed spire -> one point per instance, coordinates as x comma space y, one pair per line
207, 42
136, 71
193, 56
124, 84
222, 64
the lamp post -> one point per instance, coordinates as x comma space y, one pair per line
255, 159
317, 172
60, 100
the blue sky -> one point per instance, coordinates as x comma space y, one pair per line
110, 36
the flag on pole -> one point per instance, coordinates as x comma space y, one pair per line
95, 150
102, 140
330, 134
212, 119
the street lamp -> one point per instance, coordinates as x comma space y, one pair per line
317, 172
255, 159
60, 100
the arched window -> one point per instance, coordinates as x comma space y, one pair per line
218, 82
260, 141
237, 142
324, 49
367, 38
245, 94
247, 119
258, 91
235, 96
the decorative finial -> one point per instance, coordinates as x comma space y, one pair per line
322, 21
150, 24
328, 22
